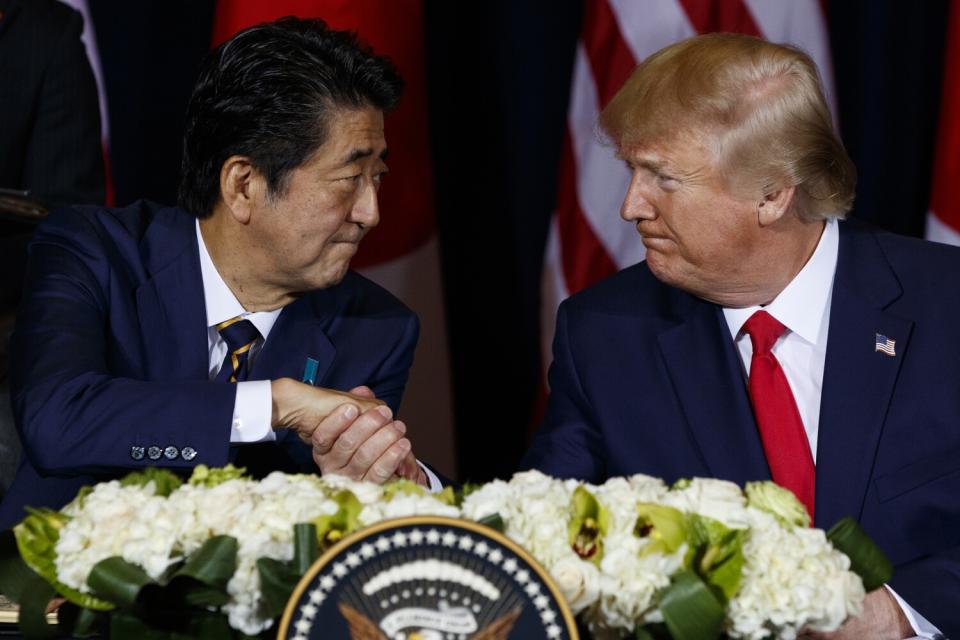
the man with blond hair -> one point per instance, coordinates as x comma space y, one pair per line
764, 336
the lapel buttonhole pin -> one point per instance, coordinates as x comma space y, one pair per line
885, 345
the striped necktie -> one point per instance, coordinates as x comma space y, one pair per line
240, 335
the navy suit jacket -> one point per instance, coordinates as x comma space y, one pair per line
110, 353
646, 379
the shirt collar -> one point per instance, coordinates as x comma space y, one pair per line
802, 304
219, 300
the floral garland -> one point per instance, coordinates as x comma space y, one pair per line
619, 552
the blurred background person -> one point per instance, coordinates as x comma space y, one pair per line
50, 149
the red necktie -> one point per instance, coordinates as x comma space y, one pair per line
784, 438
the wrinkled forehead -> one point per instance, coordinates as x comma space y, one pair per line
679, 147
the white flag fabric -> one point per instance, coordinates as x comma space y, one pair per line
587, 239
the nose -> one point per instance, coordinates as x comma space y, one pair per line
636, 203
366, 208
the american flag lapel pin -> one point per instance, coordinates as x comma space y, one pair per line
885, 345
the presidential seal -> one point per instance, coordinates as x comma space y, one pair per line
426, 578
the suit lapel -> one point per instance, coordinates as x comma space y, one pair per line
708, 379
170, 303
297, 335
858, 381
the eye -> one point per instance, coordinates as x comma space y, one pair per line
667, 183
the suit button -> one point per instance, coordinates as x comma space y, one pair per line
136, 453
188, 453
171, 453
154, 452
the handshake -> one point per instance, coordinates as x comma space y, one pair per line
352, 433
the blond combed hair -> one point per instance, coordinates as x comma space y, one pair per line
760, 108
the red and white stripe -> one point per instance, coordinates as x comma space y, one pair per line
943, 220
588, 240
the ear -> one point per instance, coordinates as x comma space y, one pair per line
240, 185
775, 205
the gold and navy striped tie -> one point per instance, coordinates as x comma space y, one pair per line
240, 335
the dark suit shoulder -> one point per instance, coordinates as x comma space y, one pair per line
47, 19
356, 295
631, 291
921, 267
128, 223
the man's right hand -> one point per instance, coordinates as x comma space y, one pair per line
352, 434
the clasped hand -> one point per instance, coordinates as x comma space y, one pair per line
352, 433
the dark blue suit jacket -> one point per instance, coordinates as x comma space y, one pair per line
646, 379
110, 352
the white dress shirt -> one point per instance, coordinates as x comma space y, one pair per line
253, 407
254, 404
803, 307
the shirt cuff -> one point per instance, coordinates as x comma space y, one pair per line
922, 628
435, 485
252, 412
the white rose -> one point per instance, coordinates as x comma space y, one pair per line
578, 581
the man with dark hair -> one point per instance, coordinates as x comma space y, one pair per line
171, 337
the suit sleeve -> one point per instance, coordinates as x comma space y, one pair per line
568, 443
931, 585
64, 153
74, 415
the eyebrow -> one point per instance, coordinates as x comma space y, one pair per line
359, 154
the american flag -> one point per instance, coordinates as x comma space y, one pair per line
588, 240
943, 219
885, 345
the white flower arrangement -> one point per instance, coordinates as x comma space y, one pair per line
613, 549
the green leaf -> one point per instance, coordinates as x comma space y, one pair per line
447, 496
866, 558
305, 550
642, 634
34, 601
717, 553
37, 536
332, 528
778, 501
205, 476
402, 486
587, 526
466, 489
126, 626
22, 585
494, 521
277, 582
213, 564
690, 609
165, 482
666, 528
77, 622
118, 581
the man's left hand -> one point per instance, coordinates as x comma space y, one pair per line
409, 468
882, 619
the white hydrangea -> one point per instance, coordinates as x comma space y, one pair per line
718, 499
403, 505
131, 522
792, 578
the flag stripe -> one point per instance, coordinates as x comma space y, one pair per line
585, 259
943, 223
731, 16
610, 60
